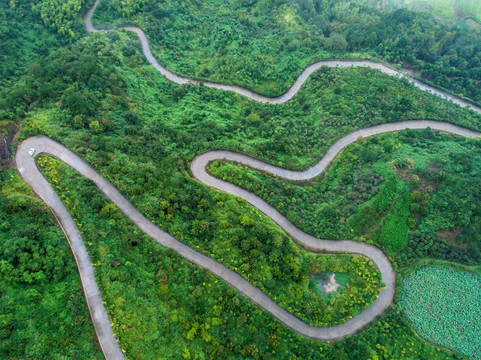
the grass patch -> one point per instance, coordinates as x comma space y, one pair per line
342, 278
443, 8
394, 234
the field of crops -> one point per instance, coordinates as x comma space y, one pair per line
442, 8
444, 307
471, 7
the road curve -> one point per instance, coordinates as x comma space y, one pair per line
40, 144
27, 168
292, 90
200, 161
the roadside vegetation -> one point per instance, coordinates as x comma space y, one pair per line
414, 193
264, 45
254, 248
140, 131
99, 97
43, 313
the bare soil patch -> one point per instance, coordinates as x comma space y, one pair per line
451, 235
405, 173
471, 22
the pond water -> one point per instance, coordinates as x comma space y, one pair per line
331, 283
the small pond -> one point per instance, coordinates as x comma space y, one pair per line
330, 283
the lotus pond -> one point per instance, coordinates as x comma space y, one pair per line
444, 307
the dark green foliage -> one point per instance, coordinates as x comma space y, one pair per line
384, 200
430, 195
199, 313
371, 213
24, 39
99, 98
248, 243
43, 314
265, 45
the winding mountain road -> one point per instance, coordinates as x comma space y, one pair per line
288, 95
27, 168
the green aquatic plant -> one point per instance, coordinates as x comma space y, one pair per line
444, 307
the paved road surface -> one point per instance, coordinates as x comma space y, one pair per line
294, 88
40, 144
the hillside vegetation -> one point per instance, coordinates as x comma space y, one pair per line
264, 45
98, 96
413, 193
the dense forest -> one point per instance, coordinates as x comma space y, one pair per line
413, 193
265, 44
97, 95
42, 306
30, 30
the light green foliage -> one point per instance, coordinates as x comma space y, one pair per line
130, 7
60, 15
444, 307
265, 45
199, 311
249, 43
394, 233
99, 98
443, 8
388, 189
283, 271
472, 8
